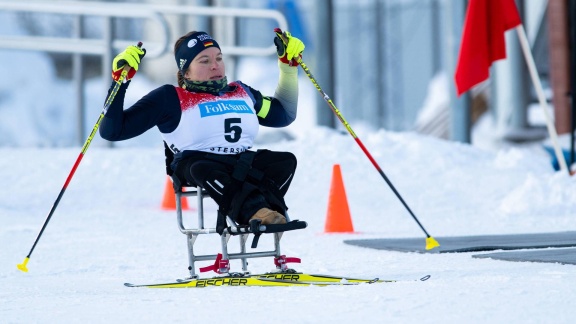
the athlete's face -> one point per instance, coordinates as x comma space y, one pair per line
206, 66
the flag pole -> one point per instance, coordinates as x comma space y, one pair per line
540, 93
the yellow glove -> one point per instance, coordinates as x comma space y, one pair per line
288, 47
131, 56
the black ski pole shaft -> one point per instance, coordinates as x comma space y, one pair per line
23, 266
430, 241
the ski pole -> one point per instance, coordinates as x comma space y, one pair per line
430, 241
111, 96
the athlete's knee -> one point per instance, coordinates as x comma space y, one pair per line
291, 160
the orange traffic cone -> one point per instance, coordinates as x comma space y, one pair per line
338, 218
169, 201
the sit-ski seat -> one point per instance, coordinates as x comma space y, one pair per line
222, 260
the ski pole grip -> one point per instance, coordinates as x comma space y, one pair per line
127, 67
281, 35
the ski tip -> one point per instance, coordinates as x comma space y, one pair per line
426, 277
431, 243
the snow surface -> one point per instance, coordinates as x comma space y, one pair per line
109, 228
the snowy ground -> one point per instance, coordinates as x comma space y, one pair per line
109, 229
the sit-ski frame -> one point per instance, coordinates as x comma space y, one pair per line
222, 264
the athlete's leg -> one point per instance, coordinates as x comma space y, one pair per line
277, 166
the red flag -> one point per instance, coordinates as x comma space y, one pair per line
483, 40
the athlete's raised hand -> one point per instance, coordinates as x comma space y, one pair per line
288, 47
131, 56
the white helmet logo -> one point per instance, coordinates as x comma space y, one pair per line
192, 42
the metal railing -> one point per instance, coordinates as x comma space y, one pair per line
106, 46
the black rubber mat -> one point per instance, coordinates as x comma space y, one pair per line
451, 244
563, 256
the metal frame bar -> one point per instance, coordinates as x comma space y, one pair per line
128, 10
193, 233
107, 45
